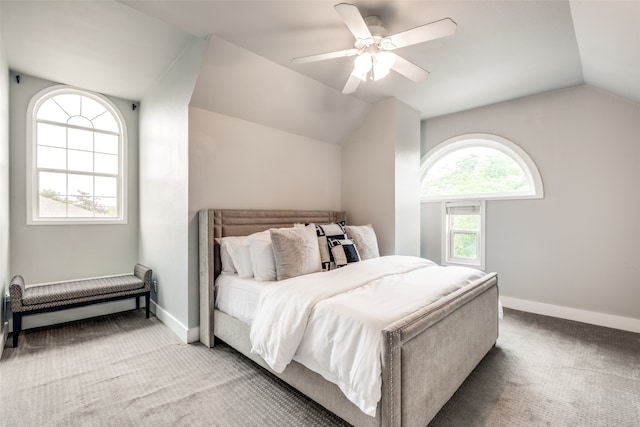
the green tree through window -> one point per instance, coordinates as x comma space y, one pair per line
479, 166
476, 170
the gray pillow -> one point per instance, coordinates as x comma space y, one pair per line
365, 239
296, 251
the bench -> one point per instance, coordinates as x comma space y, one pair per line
76, 293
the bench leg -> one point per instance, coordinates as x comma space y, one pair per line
147, 302
17, 327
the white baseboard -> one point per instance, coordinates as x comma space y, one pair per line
584, 316
185, 334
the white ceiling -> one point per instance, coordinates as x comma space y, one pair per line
501, 50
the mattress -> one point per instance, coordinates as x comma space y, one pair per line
238, 297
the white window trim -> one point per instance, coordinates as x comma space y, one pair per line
32, 195
489, 141
447, 238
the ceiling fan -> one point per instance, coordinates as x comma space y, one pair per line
373, 47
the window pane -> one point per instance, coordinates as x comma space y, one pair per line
110, 205
55, 136
106, 122
49, 110
70, 103
52, 184
106, 143
51, 158
51, 207
80, 185
85, 205
80, 206
81, 161
80, 139
106, 186
106, 163
80, 121
474, 170
90, 108
465, 245
466, 222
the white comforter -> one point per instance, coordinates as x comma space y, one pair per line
331, 321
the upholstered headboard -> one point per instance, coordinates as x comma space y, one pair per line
239, 222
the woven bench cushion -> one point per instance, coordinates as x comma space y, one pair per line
64, 291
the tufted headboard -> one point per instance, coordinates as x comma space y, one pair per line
239, 222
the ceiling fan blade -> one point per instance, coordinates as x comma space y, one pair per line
323, 56
424, 33
409, 70
351, 85
353, 20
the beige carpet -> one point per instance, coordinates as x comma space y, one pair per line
125, 370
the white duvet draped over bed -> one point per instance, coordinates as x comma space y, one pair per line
331, 321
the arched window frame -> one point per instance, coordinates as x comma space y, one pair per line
489, 141
36, 102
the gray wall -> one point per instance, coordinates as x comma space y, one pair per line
380, 176
236, 164
4, 188
164, 189
46, 253
578, 247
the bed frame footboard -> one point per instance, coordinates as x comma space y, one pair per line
429, 354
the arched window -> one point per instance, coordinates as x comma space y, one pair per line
479, 166
465, 171
76, 159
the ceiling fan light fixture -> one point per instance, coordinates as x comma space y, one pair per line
382, 64
362, 65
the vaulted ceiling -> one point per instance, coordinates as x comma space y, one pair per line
501, 49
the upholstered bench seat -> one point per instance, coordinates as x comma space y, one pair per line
62, 295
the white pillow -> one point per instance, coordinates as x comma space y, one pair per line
262, 260
365, 240
227, 245
241, 253
242, 261
295, 251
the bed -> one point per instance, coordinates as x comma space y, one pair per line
425, 355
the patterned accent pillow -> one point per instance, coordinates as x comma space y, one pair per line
344, 251
325, 232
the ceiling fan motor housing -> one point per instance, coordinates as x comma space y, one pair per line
374, 23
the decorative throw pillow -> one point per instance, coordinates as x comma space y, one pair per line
295, 251
344, 251
324, 232
365, 239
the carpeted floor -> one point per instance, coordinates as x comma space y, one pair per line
125, 370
